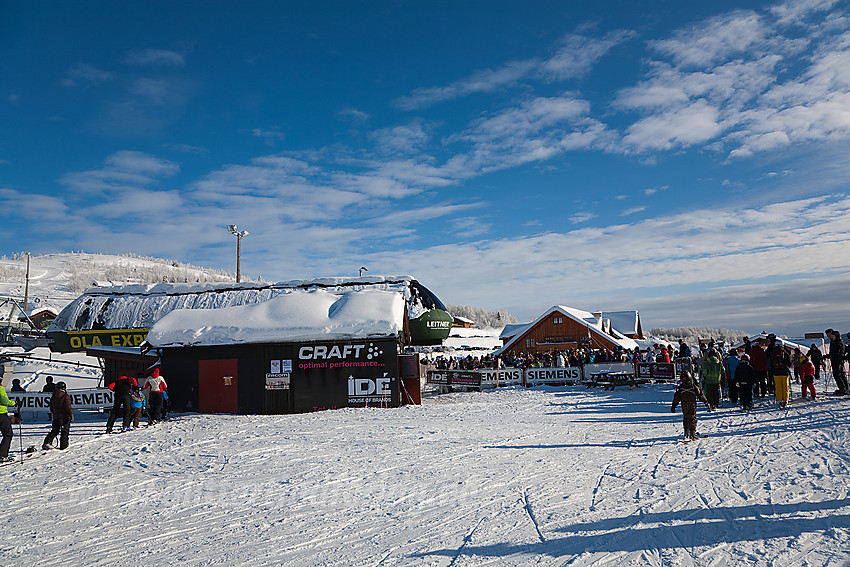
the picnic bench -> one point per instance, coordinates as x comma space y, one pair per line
611, 379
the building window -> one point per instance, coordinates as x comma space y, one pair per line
558, 320
529, 343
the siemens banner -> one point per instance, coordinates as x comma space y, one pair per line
89, 399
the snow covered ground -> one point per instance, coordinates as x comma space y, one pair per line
545, 476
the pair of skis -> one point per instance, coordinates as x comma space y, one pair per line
28, 455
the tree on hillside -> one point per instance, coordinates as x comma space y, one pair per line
483, 318
691, 335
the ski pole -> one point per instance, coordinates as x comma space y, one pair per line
21, 434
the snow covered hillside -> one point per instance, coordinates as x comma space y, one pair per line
56, 279
547, 476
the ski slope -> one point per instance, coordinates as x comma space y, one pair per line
545, 476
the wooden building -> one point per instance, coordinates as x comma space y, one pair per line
565, 328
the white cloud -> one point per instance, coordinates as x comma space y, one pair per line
121, 171
353, 115
268, 136
743, 80
407, 138
632, 211
84, 75
794, 11
578, 53
485, 81
714, 40
689, 254
574, 58
681, 127
155, 57
581, 217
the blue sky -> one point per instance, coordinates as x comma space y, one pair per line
685, 160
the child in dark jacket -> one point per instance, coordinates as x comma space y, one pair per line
63, 415
687, 394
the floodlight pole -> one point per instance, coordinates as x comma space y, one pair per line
238, 257
234, 230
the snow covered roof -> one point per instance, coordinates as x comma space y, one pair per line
626, 322
594, 325
513, 329
300, 315
762, 338
140, 306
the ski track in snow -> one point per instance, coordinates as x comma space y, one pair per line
544, 476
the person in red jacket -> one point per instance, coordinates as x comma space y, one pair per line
758, 360
63, 415
807, 376
121, 388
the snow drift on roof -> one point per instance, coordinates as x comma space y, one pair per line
299, 315
139, 306
626, 322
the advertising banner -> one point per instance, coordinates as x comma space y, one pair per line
503, 377
88, 399
73, 341
657, 371
463, 378
340, 374
568, 375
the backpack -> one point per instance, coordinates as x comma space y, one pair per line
777, 358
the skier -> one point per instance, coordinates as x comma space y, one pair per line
63, 415
156, 385
5, 426
712, 370
779, 363
745, 377
731, 366
807, 377
836, 360
688, 393
758, 360
815, 356
137, 407
122, 388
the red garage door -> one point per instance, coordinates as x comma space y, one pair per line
217, 386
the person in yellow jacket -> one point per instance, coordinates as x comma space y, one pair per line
5, 426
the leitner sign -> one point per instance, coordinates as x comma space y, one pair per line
89, 399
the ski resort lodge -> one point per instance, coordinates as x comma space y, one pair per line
565, 328
261, 348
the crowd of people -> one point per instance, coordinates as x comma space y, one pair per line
130, 400
755, 370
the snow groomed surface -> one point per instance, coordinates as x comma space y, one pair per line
544, 476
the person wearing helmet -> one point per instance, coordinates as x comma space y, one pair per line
63, 415
5, 426
688, 393
745, 377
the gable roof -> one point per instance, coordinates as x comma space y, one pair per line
595, 326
